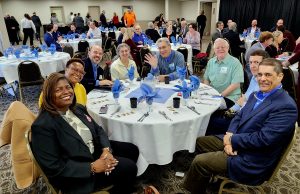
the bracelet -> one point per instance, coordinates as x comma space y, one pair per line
93, 170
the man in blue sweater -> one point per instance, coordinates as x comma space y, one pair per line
166, 63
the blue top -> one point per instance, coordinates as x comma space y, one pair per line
136, 38
56, 35
95, 74
49, 39
253, 87
168, 65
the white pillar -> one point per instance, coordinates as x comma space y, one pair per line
167, 10
4, 36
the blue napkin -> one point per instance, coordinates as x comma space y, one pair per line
83, 36
173, 39
72, 36
52, 49
148, 92
181, 71
149, 77
101, 28
180, 40
161, 31
18, 53
35, 52
184, 89
43, 47
116, 88
256, 34
244, 34
195, 82
91, 35
25, 47
131, 73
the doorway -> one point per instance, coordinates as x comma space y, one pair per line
94, 12
207, 7
59, 13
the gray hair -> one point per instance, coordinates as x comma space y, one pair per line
150, 25
122, 45
166, 40
221, 40
232, 26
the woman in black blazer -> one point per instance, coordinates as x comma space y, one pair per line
73, 151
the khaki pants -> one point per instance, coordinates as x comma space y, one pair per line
212, 160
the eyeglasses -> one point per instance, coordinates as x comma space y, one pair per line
78, 71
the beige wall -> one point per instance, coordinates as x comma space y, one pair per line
189, 10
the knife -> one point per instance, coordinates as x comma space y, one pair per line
117, 110
194, 110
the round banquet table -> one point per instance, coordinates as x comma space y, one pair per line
74, 43
47, 63
156, 137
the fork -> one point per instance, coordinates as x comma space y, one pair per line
165, 115
194, 110
143, 117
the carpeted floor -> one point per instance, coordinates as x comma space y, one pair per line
162, 177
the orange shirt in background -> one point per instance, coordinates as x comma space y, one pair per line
130, 18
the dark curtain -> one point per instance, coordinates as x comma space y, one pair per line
267, 12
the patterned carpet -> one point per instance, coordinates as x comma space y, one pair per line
162, 177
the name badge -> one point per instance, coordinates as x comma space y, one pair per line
223, 70
172, 66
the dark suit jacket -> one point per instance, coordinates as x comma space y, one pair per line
234, 42
61, 152
50, 40
153, 34
88, 80
260, 136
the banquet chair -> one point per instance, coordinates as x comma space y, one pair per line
83, 45
29, 75
4, 87
52, 189
145, 66
68, 49
78, 56
112, 35
288, 83
1, 54
108, 44
199, 64
226, 180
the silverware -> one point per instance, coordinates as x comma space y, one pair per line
199, 102
117, 110
143, 117
165, 115
194, 110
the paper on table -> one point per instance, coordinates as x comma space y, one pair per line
162, 93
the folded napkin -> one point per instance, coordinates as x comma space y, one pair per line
52, 49
131, 73
148, 92
72, 36
244, 34
181, 72
25, 47
184, 89
83, 36
43, 47
35, 52
91, 35
150, 42
116, 88
17, 53
195, 82
180, 40
149, 77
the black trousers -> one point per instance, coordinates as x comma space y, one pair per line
201, 31
123, 176
28, 32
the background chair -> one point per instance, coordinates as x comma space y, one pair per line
29, 74
283, 157
112, 35
108, 44
145, 66
200, 63
288, 83
68, 49
83, 45
184, 51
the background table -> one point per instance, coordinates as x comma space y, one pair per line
157, 138
74, 43
190, 53
48, 64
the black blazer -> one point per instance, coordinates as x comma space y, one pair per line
61, 152
88, 80
234, 42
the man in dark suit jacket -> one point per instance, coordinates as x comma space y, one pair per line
249, 151
234, 40
49, 39
94, 77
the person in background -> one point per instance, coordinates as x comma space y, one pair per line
218, 32
74, 73
288, 35
37, 23
256, 139
93, 30
152, 33
73, 30
73, 150
280, 22
94, 77
219, 121
183, 29
160, 20
28, 28
139, 36
253, 30
193, 38
115, 20
53, 19
274, 49
225, 30
87, 21
103, 19
201, 21
13, 29
134, 50
129, 18
70, 18
119, 68
168, 33
79, 23
56, 34
49, 39
166, 63
120, 38
234, 40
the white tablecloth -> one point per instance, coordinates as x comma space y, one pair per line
74, 43
294, 68
48, 64
248, 41
190, 53
157, 138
